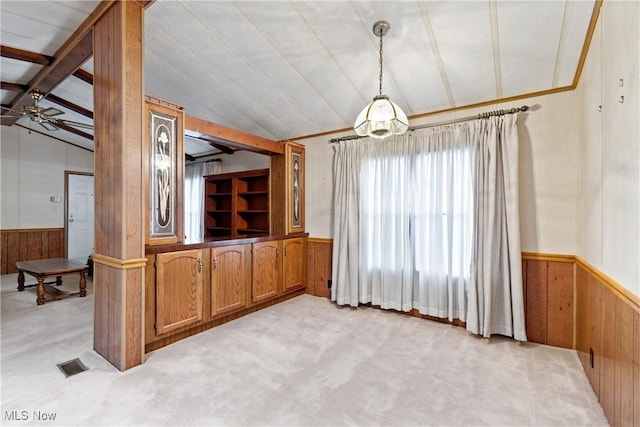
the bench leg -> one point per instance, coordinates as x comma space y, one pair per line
83, 284
20, 281
40, 300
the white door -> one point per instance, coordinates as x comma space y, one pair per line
80, 221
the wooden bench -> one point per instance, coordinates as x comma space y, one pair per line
43, 268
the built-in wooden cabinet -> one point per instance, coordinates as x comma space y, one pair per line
288, 190
266, 270
294, 262
190, 290
218, 204
252, 203
230, 277
237, 204
178, 290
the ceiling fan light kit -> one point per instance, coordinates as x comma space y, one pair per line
382, 117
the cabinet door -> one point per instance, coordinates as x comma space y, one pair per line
230, 267
266, 271
294, 262
178, 290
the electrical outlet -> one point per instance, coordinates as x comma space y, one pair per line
329, 283
591, 357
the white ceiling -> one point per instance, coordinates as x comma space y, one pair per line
283, 70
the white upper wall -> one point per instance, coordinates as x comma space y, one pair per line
32, 171
609, 146
548, 174
243, 161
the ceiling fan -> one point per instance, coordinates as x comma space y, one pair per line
45, 117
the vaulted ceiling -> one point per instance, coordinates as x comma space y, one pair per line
283, 70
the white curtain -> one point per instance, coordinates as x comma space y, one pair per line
194, 199
193, 203
411, 226
496, 302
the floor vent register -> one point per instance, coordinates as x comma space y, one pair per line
72, 367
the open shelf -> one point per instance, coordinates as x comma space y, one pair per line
237, 204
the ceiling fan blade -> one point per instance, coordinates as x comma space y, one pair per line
51, 112
49, 125
10, 115
76, 124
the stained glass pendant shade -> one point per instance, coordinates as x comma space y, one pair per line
382, 117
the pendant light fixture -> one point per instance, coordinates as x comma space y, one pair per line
382, 117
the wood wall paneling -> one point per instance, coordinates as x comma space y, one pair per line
596, 291
537, 305
609, 350
560, 278
13, 251
319, 258
23, 248
311, 284
583, 320
28, 244
623, 396
636, 368
4, 258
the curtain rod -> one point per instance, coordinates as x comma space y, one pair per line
484, 115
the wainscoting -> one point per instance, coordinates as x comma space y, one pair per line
319, 253
569, 304
31, 243
608, 343
549, 298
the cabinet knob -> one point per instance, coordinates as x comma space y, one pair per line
199, 265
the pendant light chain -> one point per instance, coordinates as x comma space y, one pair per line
380, 62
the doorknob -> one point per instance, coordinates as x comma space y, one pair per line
70, 219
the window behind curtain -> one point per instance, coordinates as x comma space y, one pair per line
193, 203
416, 218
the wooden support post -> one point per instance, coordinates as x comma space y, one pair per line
119, 146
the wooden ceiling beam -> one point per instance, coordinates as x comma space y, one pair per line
73, 53
70, 105
14, 87
83, 75
229, 137
24, 55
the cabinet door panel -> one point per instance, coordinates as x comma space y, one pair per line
229, 278
178, 290
294, 262
266, 271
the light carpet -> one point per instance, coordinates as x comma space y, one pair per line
302, 362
